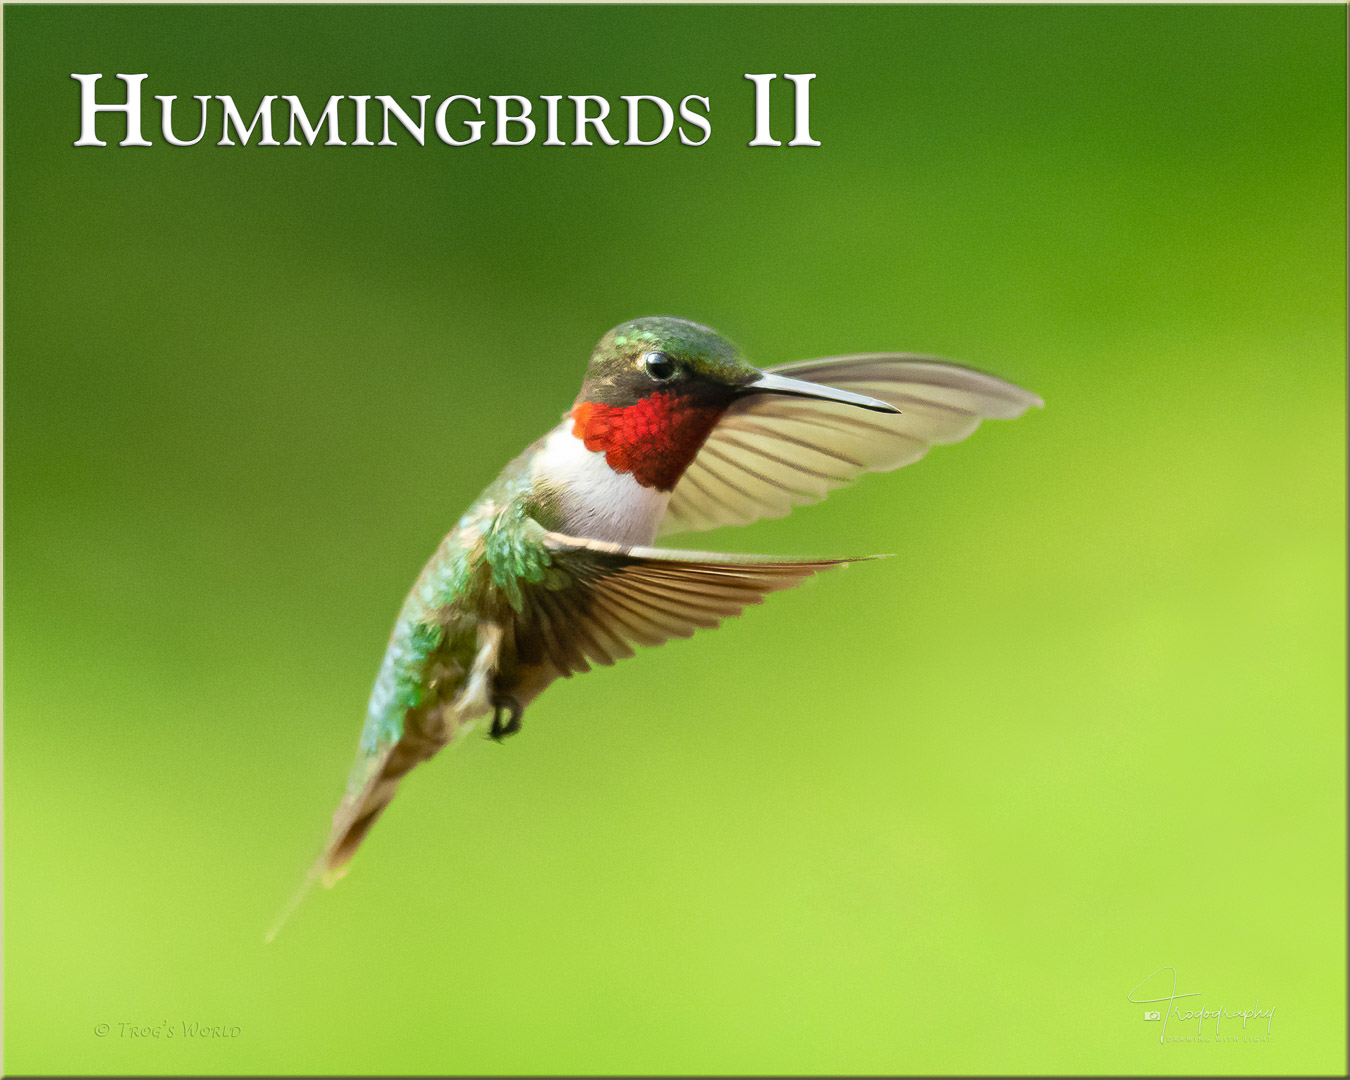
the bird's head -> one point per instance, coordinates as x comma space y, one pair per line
657, 386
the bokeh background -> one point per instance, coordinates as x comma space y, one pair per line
936, 814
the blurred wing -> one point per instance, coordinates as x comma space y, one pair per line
600, 599
770, 453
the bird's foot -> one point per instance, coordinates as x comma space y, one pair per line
514, 712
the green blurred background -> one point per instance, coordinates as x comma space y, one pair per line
936, 814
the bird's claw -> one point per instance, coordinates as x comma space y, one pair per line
499, 730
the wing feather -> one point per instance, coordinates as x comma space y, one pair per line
605, 598
769, 454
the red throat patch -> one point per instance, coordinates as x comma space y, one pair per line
654, 439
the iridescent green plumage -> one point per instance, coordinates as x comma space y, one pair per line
475, 576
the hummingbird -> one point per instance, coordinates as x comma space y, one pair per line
553, 568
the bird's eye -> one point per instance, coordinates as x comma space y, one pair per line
659, 366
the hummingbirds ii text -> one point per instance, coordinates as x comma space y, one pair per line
456, 120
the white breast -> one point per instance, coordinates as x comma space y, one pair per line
596, 501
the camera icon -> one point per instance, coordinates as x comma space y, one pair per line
1152, 1014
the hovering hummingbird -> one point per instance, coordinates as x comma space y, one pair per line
552, 569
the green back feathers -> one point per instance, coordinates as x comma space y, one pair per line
514, 549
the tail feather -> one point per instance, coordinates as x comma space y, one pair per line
378, 779
354, 817
374, 779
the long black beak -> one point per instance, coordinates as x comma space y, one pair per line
768, 383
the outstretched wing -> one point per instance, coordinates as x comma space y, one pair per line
599, 599
769, 453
